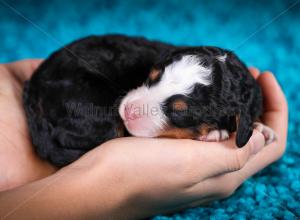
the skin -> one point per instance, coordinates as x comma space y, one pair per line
126, 178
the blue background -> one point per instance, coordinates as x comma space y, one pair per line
258, 31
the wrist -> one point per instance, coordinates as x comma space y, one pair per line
104, 188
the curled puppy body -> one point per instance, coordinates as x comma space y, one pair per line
71, 101
201, 93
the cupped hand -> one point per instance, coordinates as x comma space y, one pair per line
164, 175
18, 162
127, 178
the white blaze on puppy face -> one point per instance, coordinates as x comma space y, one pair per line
179, 77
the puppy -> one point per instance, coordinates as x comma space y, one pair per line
74, 102
201, 93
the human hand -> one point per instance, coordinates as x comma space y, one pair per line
130, 178
276, 117
18, 162
190, 174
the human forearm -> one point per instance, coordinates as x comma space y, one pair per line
76, 192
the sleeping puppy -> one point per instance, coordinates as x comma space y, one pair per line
201, 93
74, 102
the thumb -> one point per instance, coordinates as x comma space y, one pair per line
237, 159
224, 157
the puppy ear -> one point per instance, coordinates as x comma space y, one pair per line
244, 129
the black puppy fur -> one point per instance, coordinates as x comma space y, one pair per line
71, 100
90, 73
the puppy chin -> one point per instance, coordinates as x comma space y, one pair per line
143, 127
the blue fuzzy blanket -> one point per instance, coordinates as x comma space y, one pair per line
263, 33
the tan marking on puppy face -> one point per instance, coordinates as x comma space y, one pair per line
179, 133
154, 75
180, 105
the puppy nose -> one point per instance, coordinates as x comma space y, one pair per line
131, 113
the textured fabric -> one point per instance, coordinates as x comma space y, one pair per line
259, 32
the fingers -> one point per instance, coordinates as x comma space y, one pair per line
223, 185
274, 99
23, 69
254, 71
275, 114
223, 157
275, 105
237, 159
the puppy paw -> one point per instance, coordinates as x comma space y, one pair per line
215, 135
268, 132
